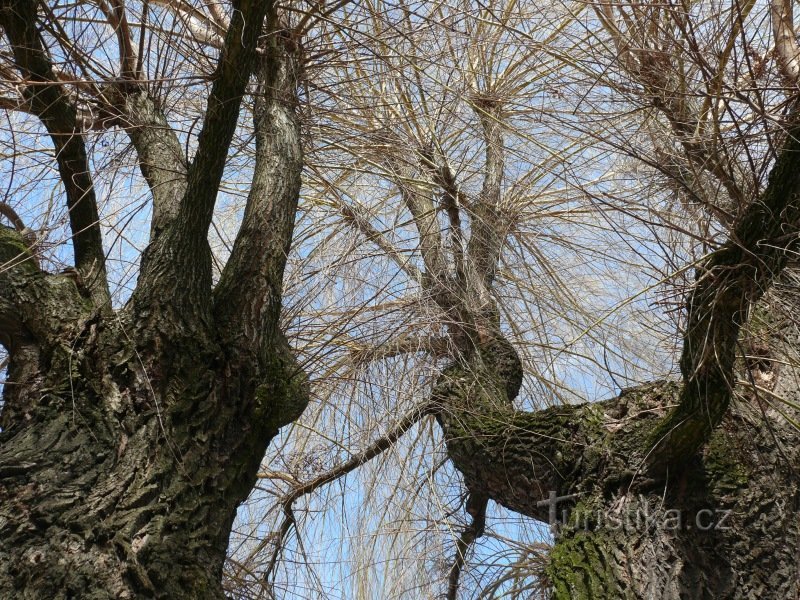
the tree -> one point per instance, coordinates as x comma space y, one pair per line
130, 434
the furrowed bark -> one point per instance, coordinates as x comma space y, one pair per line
122, 481
53, 106
725, 525
29, 319
181, 254
161, 158
247, 299
128, 439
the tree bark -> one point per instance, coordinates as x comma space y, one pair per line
725, 524
126, 444
128, 438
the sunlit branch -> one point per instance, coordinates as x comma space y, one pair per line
204, 29
451, 202
403, 344
118, 20
488, 227
219, 16
426, 223
786, 47
357, 216
319, 11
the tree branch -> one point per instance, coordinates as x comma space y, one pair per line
425, 220
451, 202
430, 237
436, 346
357, 216
57, 112
730, 281
786, 47
204, 29
367, 454
119, 23
230, 80
247, 299
486, 238
159, 152
182, 254
476, 507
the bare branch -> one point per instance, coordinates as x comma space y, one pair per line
367, 454
119, 23
184, 254
451, 202
161, 158
403, 344
786, 47
430, 238
220, 18
204, 29
423, 212
248, 297
488, 226
357, 216
57, 112
476, 507
729, 282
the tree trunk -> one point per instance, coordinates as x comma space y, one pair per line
725, 524
124, 454
129, 438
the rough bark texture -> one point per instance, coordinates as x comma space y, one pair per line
726, 524
129, 438
122, 462
678, 489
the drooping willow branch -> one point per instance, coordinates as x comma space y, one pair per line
367, 454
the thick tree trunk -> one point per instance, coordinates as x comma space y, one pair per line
124, 455
726, 524
129, 438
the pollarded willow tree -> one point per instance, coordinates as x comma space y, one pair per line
131, 435
470, 148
